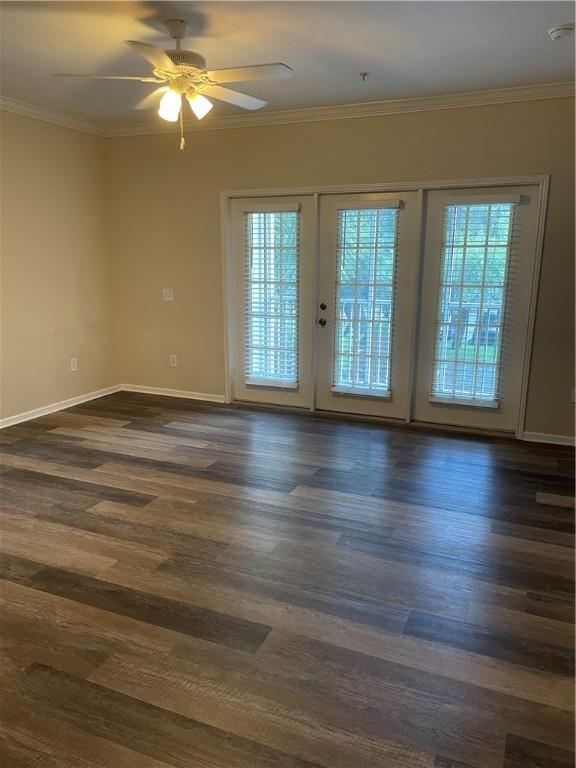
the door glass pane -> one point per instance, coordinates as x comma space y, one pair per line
366, 250
271, 336
476, 243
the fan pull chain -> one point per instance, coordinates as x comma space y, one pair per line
182, 139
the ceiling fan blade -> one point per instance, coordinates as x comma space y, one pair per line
155, 56
233, 97
254, 72
144, 79
152, 99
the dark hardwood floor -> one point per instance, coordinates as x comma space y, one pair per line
199, 586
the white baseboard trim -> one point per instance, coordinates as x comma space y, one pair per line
541, 437
209, 398
18, 418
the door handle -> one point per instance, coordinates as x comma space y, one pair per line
322, 321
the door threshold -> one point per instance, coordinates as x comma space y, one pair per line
383, 421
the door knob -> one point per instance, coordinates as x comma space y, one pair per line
322, 321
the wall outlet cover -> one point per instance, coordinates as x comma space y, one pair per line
167, 294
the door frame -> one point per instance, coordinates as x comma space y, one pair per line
407, 247
541, 182
501, 414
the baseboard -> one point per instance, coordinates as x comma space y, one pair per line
541, 437
18, 418
173, 393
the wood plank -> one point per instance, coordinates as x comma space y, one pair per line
305, 728
145, 728
522, 625
552, 605
195, 521
119, 487
384, 692
488, 642
101, 443
389, 645
67, 541
429, 699
151, 609
187, 584
32, 740
556, 500
156, 540
525, 753
20, 544
40, 617
87, 482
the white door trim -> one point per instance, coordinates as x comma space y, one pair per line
337, 189
542, 181
539, 248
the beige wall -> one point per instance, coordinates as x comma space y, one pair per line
166, 224
76, 206
56, 276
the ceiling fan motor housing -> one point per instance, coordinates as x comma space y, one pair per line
186, 58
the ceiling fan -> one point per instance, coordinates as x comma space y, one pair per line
182, 74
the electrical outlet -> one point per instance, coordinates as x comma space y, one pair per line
167, 294
173, 361
74, 364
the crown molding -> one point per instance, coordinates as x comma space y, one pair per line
362, 109
303, 115
49, 116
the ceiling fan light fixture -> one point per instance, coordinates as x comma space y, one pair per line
170, 106
180, 72
199, 104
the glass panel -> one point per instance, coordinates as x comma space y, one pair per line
475, 256
272, 297
366, 252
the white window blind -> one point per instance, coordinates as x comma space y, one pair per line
365, 277
476, 249
271, 298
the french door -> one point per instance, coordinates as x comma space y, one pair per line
272, 290
477, 277
367, 270
408, 305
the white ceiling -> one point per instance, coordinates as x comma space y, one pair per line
409, 49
